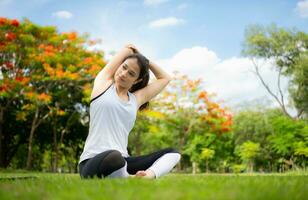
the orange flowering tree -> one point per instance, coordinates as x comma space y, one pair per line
193, 118
43, 75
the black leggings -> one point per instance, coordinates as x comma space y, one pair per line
107, 162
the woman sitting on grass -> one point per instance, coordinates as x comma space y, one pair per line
120, 90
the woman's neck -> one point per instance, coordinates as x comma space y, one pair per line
122, 92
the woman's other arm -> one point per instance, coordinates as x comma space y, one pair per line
107, 73
162, 79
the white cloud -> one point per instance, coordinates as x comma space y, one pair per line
169, 21
154, 2
63, 14
231, 79
302, 8
191, 61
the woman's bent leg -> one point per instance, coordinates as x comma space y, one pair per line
102, 164
165, 164
120, 173
160, 162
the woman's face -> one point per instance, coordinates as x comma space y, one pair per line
128, 73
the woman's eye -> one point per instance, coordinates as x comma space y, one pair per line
124, 67
131, 74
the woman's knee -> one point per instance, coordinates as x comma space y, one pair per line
171, 150
102, 164
113, 161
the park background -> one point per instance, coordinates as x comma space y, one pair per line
238, 101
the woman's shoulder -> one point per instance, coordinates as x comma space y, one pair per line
101, 90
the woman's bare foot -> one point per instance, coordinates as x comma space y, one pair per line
146, 174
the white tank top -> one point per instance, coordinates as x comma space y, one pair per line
111, 120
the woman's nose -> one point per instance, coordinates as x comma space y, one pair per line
123, 73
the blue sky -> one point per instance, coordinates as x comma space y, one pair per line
206, 35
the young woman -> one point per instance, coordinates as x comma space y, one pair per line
120, 90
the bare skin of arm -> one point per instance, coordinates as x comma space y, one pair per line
105, 76
162, 79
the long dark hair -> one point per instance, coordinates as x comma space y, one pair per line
144, 75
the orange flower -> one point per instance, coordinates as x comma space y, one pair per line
30, 95
94, 69
41, 46
10, 36
225, 129
88, 60
72, 36
73, 76
2, 44
19, 78
44, 97
50, 54
8, 65
3, 88
3, 21
60, 112
15, 22
202, 95
190, 83
59, 73
25, 80
49, 48
48, 69
227, 123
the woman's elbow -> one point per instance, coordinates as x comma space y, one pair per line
169, 78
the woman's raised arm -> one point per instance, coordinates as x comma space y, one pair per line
162, 79
107, 73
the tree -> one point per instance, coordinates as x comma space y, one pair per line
43, 71
288, 50
248, 152
287, 137
207, 154
191, 116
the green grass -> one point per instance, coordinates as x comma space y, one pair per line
290, 186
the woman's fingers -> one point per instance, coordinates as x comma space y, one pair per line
133, 47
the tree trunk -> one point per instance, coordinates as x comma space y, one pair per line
279, 100
194, 167
56, 151
251, 166
77, 159
181, 144
207, 166
33, 127
138, 143
1, 137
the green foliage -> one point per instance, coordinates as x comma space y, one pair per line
288, 48
53, 78
238, 168
298, 86
44, 75
248, 150
207, 153
286, 132
301, 149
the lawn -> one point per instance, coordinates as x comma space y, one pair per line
290, 186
